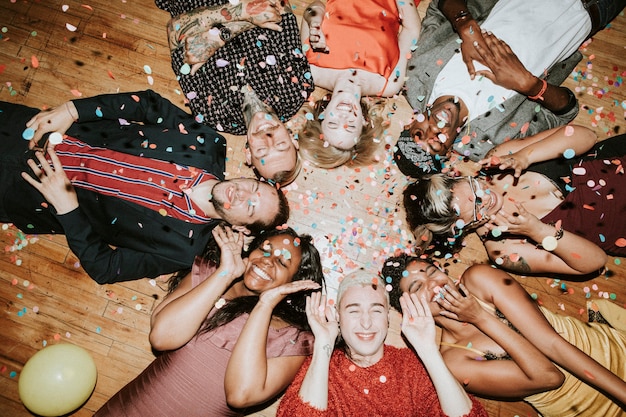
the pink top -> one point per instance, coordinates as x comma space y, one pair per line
190, 381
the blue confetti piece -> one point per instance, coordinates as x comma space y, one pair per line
28, 133
99, 112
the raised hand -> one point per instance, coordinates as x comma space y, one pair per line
472, 39
459, 307
418, 324
322, 318
52, 182
58, 119
505, 68
231, 245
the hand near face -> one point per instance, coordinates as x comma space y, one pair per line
459, 307
322, 319
274, 296
418, 324
231, 245
52, 182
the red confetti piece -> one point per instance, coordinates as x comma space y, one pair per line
110, 74
34, 62
135, 97
621, 242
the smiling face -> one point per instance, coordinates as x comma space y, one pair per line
364, 321
271, 149
423, 278
244, 201
272, 264
343, 120
473, 202
436, 130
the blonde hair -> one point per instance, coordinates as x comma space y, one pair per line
323, 155
429, 213
362, 278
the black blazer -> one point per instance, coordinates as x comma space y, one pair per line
117, 240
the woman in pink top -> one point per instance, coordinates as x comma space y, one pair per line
233, 333
355, 48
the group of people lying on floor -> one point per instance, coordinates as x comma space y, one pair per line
139, 188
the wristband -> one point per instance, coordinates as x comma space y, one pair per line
459, 17
539, 95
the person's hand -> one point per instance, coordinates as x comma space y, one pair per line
262, 13
518, 163
322, 319
58, 119
52, 182
472, 38
505, 68
231, 245
314, 17
273, 296
521, 222
418, 324
459, 307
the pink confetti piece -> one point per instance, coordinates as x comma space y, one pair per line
34, 62
76, 93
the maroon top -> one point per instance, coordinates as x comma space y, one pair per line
189, 381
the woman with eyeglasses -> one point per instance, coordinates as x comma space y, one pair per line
552, 202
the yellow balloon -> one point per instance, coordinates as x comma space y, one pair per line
57, 379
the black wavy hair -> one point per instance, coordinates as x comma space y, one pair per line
291, 309
393, 269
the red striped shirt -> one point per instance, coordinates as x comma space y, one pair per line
152, 183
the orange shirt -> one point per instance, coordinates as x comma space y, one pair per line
361, 35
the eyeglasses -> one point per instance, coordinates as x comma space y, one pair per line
479, 215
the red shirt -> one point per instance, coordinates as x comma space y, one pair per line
157, 185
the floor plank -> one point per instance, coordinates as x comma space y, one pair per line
353, 215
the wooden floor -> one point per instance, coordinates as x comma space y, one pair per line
50, 53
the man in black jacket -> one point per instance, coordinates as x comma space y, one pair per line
136, 184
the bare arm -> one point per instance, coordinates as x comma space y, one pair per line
513, 301
419, 328
469, 31
177, 319
251, 378
323, 322
506, 70
529, 371
572, 255
519, 154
